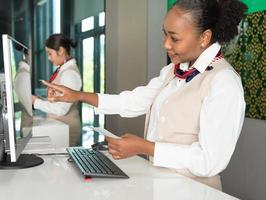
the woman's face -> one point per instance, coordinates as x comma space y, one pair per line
54, 56
182, 39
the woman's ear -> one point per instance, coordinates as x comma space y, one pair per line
206, 38
61, 51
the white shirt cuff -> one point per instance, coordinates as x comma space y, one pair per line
108, 104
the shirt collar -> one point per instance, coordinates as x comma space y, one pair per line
67, 64
205, 58
23, 65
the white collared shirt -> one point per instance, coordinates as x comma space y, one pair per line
224, 106
71, 79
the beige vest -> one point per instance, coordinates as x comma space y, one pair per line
180, 114
72, 118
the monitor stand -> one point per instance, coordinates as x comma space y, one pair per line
24, 161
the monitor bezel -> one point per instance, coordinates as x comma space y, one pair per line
15, 147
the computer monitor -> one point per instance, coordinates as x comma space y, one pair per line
16, 118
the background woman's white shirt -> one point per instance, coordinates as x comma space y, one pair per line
69, 78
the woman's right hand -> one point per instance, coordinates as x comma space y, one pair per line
60, 93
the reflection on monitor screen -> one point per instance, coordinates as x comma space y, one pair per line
17, 106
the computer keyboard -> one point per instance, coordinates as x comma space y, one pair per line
93, 163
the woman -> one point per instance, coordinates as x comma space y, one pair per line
195, 107
22, 83
58, 47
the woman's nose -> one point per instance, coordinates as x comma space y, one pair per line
166, 43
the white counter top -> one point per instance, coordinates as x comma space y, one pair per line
60, 180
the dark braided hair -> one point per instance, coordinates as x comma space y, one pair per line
220, 16
56, 41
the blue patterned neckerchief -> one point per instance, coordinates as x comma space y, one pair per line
191, 73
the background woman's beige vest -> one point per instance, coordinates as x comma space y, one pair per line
72, 118
179, 119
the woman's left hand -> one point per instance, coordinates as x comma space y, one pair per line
129, 145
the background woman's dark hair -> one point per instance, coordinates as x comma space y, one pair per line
222, 17
56, 41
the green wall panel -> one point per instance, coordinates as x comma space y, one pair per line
170, 3
253, 5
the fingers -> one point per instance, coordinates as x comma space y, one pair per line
126, 135
113, 144
46, 83
112, 140
53, 94
115, 154
114, 148
50, 92
51, 85
55, 98
117, 157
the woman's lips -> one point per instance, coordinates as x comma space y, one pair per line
172, 55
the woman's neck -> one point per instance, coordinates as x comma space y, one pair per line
66, 59
191, 63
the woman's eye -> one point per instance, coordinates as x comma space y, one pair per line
174, 39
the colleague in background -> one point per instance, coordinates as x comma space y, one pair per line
22, 83
22, 89
195, 107
58, 49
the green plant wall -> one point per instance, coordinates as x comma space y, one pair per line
247, 54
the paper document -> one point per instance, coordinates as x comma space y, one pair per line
104, 132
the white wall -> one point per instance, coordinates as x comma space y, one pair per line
133, 45
156, 55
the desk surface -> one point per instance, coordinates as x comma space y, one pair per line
59, 179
